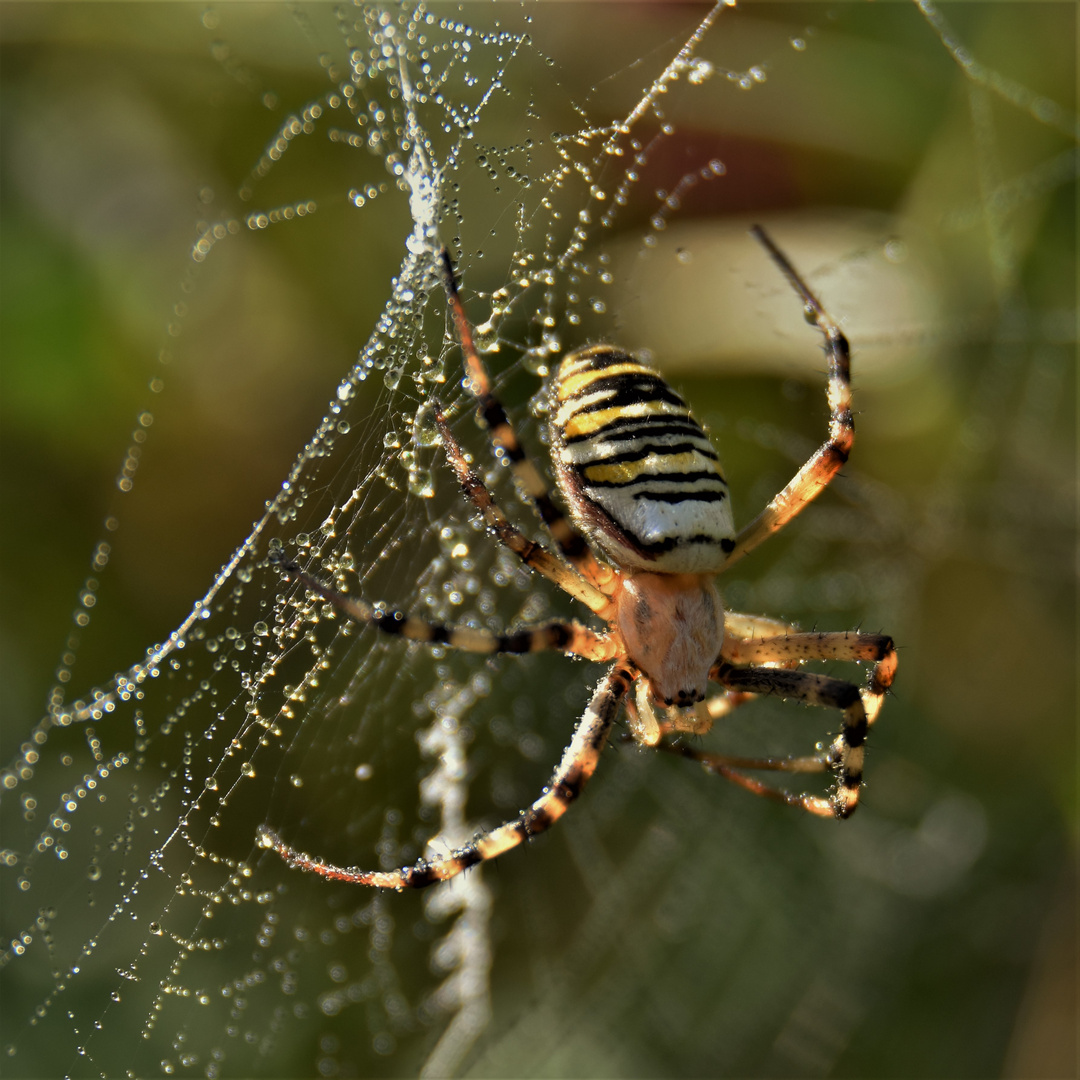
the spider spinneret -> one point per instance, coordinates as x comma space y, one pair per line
650, 527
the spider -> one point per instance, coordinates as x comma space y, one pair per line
650, 527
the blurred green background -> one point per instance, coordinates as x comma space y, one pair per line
670, 926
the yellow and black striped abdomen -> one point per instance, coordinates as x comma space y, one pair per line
641, 478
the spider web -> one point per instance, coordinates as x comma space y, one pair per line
593, 177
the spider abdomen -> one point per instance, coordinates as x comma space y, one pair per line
640, 476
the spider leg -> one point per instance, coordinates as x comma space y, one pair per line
797, 648
755, 627
558, 636
848, 749
816, 474
578, 763
570, 542
726, 703
732, 768
811, 763
530, 552
788, 651
739, 630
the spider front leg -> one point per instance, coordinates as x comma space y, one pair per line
578, 763
817, 473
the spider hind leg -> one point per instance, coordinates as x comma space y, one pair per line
736, 769
578, 763
504, 439
531, 553
792, 649
845, 755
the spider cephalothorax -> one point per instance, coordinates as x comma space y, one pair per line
652, 528
672, 628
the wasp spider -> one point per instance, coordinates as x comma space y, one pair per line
650, 527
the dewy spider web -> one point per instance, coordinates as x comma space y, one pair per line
148, 932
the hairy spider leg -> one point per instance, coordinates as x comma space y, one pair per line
558, 636
578, 763
839, 645
848, 749
755, 627
732, 768
827, 461
788, 651
504, 438
529, 551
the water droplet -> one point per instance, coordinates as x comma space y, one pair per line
700, 71
425, 433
